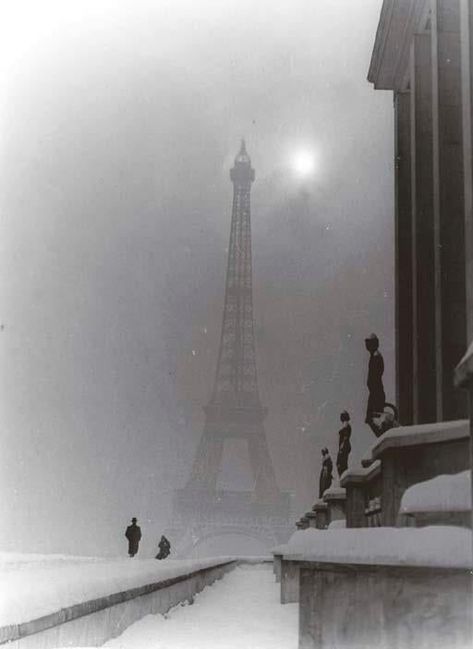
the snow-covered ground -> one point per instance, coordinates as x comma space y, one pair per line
33, 585
242, 611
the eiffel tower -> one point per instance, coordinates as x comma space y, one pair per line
234, 410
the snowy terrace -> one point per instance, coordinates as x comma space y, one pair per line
241, 608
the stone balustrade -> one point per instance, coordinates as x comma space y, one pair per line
412, 454
335, 499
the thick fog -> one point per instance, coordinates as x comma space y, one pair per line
119, 123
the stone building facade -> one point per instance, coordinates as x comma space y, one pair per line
423, 53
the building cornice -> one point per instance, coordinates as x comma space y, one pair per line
399, 21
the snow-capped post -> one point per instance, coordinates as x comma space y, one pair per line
312, 518
335, 497
361, 486
464, 379
321, 510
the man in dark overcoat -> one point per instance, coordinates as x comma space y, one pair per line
133, 534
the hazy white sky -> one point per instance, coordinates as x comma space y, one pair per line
118, 124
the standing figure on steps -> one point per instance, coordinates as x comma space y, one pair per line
133, 534
377, 396
344, 446
326, 472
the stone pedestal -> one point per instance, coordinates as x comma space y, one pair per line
289, 582
335, 498
321, 511
312, 518
277, 567
303, 523
361, 486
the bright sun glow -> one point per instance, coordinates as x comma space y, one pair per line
303, 163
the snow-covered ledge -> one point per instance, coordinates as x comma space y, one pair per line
444, 493
421, 434
66, 601
360, 475
384, 587
439, 546
443, 500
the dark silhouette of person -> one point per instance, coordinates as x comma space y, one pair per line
164, 548
344, 446
377, 396
326, 472
133, 534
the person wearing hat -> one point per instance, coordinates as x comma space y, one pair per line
377, 396
133, 534
344, 446
326, 474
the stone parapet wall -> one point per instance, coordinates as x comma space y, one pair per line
383, 607
91, 623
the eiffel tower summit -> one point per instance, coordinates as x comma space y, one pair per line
234, 411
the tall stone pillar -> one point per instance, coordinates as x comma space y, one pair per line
403, 259
449, 233
464, 373
423, 255
466, 27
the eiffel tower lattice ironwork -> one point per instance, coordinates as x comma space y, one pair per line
235, 409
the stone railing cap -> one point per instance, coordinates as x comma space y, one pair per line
419, 434
335, 493
361, 475
319, 505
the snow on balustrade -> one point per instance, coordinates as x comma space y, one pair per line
298, 539
339, 524
421, 434
436, 546
445, 493
32, 585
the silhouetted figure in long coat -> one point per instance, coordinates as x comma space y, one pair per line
164, 548
344, 445
326, 472
377, 396
133, 534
